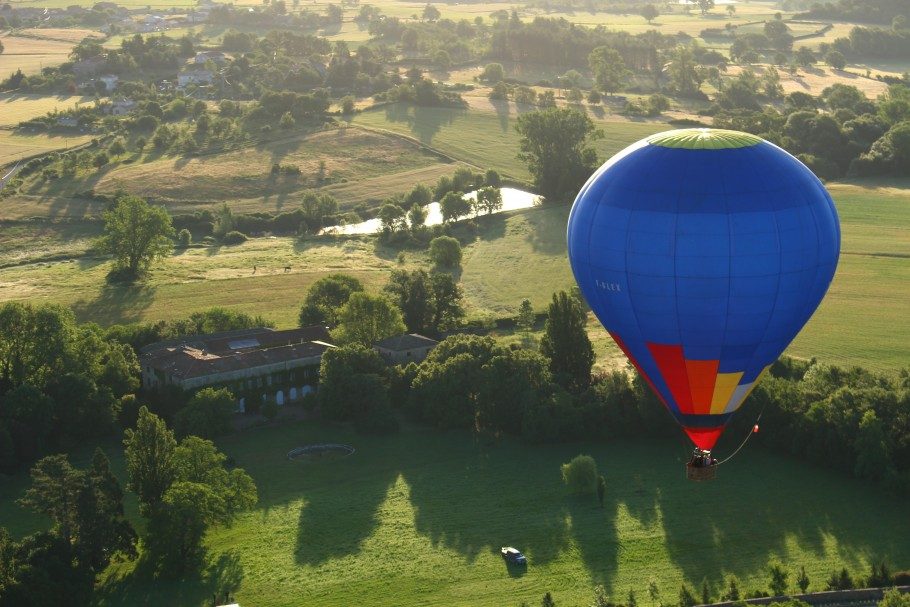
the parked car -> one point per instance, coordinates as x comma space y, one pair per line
513, 556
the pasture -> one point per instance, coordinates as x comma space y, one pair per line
511, 256
356, 165
487, 139
418, 519
31, 54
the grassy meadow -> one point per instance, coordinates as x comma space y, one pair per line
511, 256
487, 139
15, 146
418, 519
16, 108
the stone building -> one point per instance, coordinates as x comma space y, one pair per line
404, 349
256, 365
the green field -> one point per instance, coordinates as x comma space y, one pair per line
486, 139
31, 54
418, 518
15, 146
514, 255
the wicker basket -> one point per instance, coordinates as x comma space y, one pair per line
701, 473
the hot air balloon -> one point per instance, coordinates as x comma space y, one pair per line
703, 252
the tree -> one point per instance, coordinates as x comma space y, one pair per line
836, 60
731, 10
392, 217
207, 414
117, 147
565, 342
649, 12
136, 234
149, 453
325, 298
686, 598
55, 484
347, 105
894, 598
445, 251
421, 195
493, 73
430, 13
100, 159
196, 491
316, 209
526, 317
489, 200
350, 383
454, 205
873, 448
547, 601
184, 238
683, 72
705, 5
555, 143
575, 96
732, 593
580, 475
802, 580
804, 56
287, 121
601, 489
417, 216
705, 592
609, 69
447, 301
654, 591
571, 79
779, 581
413, 294
366, 319
492, 178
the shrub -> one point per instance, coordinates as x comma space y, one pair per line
184, 238
580, 475
445, 251
234, 237
269, 410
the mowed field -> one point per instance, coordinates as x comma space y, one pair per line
31, 54
418, 519
14, 145
18, 144
18, 108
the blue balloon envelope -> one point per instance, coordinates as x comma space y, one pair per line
703, 252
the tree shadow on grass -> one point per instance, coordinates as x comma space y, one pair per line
341, 509
221, 575
116, 304
548, 228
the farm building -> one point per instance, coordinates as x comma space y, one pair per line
403, 349
261, 364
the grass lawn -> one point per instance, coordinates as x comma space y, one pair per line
418, 519
487, 139
15, 108
31, 54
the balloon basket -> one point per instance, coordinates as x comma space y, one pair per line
701, 473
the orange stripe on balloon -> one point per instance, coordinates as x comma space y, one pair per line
672, 366
701, 374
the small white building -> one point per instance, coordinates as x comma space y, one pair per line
194, 76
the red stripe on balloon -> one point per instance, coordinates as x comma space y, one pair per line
672, 366
704, 438
625, 350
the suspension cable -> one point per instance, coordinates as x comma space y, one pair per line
752, 430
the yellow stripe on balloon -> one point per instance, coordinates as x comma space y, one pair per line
723, 389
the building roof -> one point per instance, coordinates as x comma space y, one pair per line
201, 355
402, 343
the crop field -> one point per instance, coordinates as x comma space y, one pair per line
18, 108
418, 519
31, 54
486, 139
818, 78
360, 166
14, 146
74, 35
